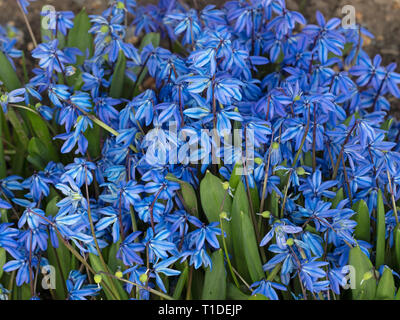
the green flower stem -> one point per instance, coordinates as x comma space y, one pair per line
95, 238
274, 272
392, 196
28, 25
303, 140
104, 126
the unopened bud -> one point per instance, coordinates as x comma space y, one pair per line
225, 185
97, 278
290, 242
275, 145
143, 278
119, 274
300, 171
258, 161
223, 215
104, 29
265, 214
120, 5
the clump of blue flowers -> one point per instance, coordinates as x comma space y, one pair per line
223, 153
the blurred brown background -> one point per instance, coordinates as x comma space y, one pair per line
381, 17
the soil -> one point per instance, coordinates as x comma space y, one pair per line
381, 17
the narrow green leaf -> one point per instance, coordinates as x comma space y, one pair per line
386, 289
3, 168
181, 283
93, 137
363, 228
188, 194
258, 296
215, 278
250, 246
151, 37
113, 262
365, 284
117, 83
380, 232
339, 197
240, 204
41, 131
2, 260
396, 237
235, 177
79, 36
233, 293
7, 74
51, 208
214, 200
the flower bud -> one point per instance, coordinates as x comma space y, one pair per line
275, 145
97, 278
300, 171
225, 185
119, 274
223, 215
258, 161
290, 242
143, 278
104, 29
265, 214
120, 5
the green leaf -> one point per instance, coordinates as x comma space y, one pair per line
255, 198
113, 262
365, 289
93, 137
214, 200
258, 296
181, 282
380, 232
41, 131
3, 168
233, 293
37, 149
152, 37
387, 124
2, 260
235, 178
386, 289
250, 246
363, 228
51, 208
396, 237
117, 82
7, 74
273, 203
215, 278
339, 197
79, 36
188, 194
240, 204
19, 129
